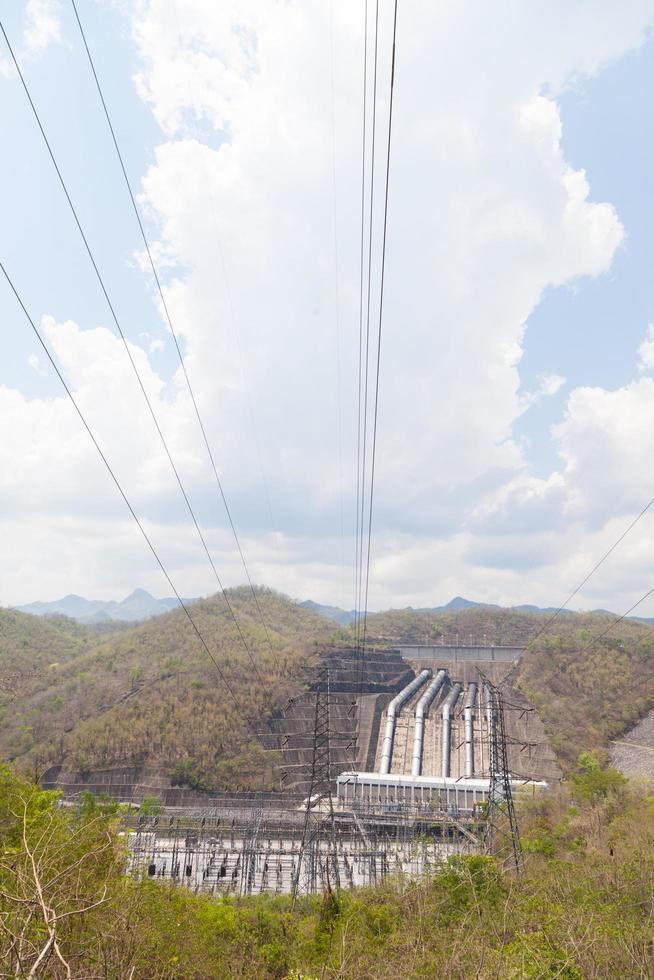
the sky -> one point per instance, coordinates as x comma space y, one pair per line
515, 434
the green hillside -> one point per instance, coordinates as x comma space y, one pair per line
588, 692
489, 623
582, 908
30, 647
151, 696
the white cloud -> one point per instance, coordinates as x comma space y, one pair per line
646, 350
36, 365
606, 441
485, 213
548, 385
551, 384
41, 28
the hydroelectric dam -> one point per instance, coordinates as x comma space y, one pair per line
407, 746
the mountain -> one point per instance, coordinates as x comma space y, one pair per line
456, 604
137, 606
342, 616
345, 617
149, 695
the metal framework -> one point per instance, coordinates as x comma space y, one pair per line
375, 826
255, 846
502, 822
314, 859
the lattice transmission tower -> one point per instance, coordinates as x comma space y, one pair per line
318, 852
502, 823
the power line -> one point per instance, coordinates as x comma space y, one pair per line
367, 343
170, 325
193, 122
336, 294
614, 623
362, 439
361, 266
379, 331
592, 572
131, 359
360, 475
129, 506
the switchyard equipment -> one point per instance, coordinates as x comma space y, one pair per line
254, 846
378, 822
318, 842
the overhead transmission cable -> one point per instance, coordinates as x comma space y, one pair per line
379, 329
363, 593
337, 318
364, 348
367, 337
126, 500
610, 551
614, 623
170, 325
361, 265
209, 184
132, 362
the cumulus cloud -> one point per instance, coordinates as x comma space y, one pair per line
485, 213
607, 445
548, 385
41, 28
35, 363
646, 351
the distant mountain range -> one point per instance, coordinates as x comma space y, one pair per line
137, 606
140, 605
344, 617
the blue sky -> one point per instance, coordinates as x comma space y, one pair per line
588, 332
224, 115
42, 233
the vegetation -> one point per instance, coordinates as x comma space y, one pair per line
588, 692
477, 625
583, 907
150, 695
30, 645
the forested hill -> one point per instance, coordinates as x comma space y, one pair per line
28, 645
478, 625
150, 695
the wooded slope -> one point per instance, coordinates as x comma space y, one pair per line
151, 695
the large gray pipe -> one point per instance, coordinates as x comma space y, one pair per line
421, 711
391, 712
468, 717
452, 698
